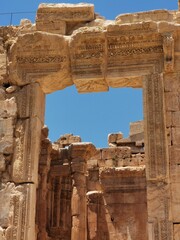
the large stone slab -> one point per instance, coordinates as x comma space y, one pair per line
55, 17
30, 101
66, 12
16, 218
88, 57
43, 58
155, 131
26, 150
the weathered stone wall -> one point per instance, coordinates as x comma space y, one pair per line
70, 44
88, 193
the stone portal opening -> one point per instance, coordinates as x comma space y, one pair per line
93, 116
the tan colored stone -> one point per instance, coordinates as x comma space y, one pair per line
8, 108
175, 201
176, 136
156, 15
81, 151
176, 119
169, 120
30, 101
15, 201
57, 27
3, 63
174, 154
66, 12
67, 139
135, 50
51, 68
88, 60
172, 101
176, 231
26, 150
6, 135
114, 137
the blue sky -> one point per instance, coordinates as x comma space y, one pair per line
92, 116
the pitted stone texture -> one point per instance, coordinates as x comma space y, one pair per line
14, 203
67, 139
8, 108
42, 58
58, 18
157, 15
81, 151
26, 150
88, 61
3, 61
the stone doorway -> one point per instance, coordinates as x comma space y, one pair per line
75, 46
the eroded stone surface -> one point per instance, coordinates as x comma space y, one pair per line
86, 193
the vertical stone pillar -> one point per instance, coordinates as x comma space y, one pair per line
172, 104
157, 165
41, 203
30, 117
79, 153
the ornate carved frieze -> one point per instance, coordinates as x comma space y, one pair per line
26, 150
134, 47
155, 133
37, 56
20, 221
88, 57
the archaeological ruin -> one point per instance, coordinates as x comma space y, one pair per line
69, 189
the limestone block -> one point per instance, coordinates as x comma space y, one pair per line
158, 200
2, 66
156, 15
8, 108
171, 82
130, 43
3, 61
51, 26
174, 153
2, 164
2, 94
168, 119
6, 135
169, 136
26, 150
43, 58
15, 215
157, 164
171, 101
115, 178
176, 231
175, 190
67, 139
176, 136
88, 51
114, 137
30, 101
176, 119
81, 151
116, 153
66, 12
136, 127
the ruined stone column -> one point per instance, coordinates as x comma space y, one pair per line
79, 153
42, 193
157, 165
